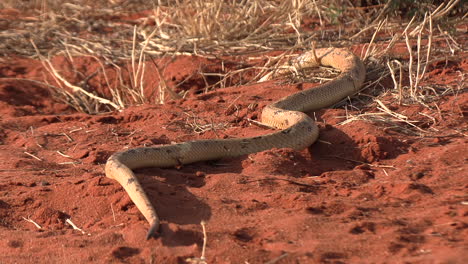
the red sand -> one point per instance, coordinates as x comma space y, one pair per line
365, 193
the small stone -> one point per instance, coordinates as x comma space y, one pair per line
364, 166
417, 175
44, 183
80, 154
200, 174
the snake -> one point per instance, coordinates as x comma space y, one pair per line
295, 129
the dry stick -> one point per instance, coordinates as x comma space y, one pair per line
184, 93
273, 261
361, 162
67, 136
136, 71
139, 72
429, 46
439, 12
280, 179
115, 95
400, 117
205, 239
142, 75
314, 52
295, 29
418, 52
361, 32
49, 67
434, 121
260, 124
32, 221
390, 44
95, 45
69, 163
447, 37
163, 84
372, 117
130, 90
409, 24
32, 155
79, 89
113, 213
207, 84
382, 11
278, 64
202, 258
234, 101
396, 84
410, 64
379, 27
318, 12
68, 221
63, 154
67, 51
224, 77
388, 111
420, 75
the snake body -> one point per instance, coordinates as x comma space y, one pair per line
297, 130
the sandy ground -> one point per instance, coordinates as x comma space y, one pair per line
366, 192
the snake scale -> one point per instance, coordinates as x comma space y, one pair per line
297, 129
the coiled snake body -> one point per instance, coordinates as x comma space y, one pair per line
297, 130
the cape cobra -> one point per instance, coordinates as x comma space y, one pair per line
298, 130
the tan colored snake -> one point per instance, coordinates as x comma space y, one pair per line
298, 130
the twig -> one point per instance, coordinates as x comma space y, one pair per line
260, 124
63, 155
113, 213
48, 65
32, 221
379, 27
68, 221
273, 261
67, 136
34, 156
361, 162
202, 259
280, 179
397, 85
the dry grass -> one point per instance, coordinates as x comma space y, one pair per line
216, 29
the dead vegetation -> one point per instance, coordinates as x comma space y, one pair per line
135, 39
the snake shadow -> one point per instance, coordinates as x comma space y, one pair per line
334, 151
168, 189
